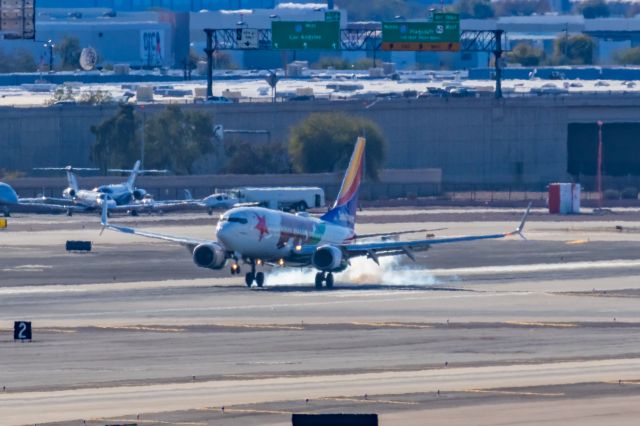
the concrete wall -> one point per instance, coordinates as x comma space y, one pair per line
473, 140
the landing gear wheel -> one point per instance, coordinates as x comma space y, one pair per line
235, 269
70, 213
134, 213
329, 280
319, 280
260, 279
248, 278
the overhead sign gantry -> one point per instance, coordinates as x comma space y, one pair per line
440, 33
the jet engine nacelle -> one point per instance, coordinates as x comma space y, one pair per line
329, 258
138, 194
69, 193
209, 255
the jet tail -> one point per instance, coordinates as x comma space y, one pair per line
132, 177
72, 180
344, 210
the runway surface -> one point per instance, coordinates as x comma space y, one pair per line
548, 329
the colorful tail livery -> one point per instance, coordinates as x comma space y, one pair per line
344, 210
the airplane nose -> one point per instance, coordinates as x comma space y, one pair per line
223, 234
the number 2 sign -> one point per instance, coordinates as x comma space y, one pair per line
22, 330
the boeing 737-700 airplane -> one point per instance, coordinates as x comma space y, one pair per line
258, 236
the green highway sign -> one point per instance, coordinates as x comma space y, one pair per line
332, 16
441, 33
305, 35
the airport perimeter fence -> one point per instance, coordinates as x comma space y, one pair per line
612, 193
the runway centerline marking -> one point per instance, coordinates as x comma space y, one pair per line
542, 324
518, 393
537, 267
228, 409
390, 325
134, 421
368, 400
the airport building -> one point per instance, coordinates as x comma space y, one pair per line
161, 33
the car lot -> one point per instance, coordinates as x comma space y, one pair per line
545, 329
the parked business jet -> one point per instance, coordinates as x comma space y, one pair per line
259, 236
117, 197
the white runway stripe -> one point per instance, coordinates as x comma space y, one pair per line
538, 267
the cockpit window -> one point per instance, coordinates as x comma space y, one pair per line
234, 219
238, 219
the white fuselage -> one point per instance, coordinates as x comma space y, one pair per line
91, 199
260, 233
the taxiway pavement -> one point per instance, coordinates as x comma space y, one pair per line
135, 328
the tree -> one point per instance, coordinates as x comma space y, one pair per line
175, 139
194, 58
366, 63
526, 55
20, 60
592, 9
380, 10
69, 51
629, 56
573, 50
116, 140
23, 61
95, 97
323, 142
256, 158
334, 62
223, 61
521, 7
478, 9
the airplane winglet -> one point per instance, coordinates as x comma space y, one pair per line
104, 219
519, 230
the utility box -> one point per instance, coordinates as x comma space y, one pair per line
78, 245
564, 198
334, 420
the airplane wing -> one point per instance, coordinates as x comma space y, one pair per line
47, 200
185, 241
394, 234
390, 248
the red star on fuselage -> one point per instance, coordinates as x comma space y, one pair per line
262, 226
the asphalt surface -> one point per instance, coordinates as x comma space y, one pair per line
547, 329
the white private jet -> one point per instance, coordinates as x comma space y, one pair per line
117, 197
259, 236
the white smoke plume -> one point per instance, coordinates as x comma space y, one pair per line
391, 271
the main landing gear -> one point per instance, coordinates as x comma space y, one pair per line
252, 276
326, 277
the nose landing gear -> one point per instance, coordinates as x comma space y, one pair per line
325, 277
252, 276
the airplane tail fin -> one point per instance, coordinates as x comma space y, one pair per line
131, 182
72, 180
187, 195
344, 209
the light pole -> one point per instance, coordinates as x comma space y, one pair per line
144, 120
599, 171
50, 45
